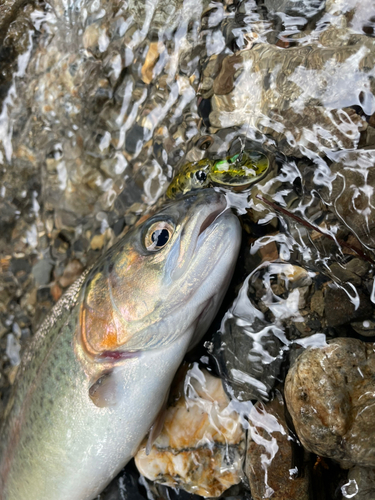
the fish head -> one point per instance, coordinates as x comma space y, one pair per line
165, 277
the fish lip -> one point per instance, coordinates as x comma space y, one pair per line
212, 205
210, 219
204, 306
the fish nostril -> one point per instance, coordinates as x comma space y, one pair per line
210, 219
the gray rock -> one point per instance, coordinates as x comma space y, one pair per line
360, 485
249, 356
339, 309
329, 392
13, 349
366, 328
42, 271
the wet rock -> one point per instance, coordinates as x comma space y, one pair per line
42, 271
317, 302
201, 446
351, 192
13, 349
340, 309
270, 464
269, 252
358, 267
249, 357
12, 374
344, 274
293, 109
360, 485
305, 8
152, 57
98, 241
329, 392
365, 328
248, 349
56, 291
72, 271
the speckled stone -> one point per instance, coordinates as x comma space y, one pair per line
201, 446
330, 394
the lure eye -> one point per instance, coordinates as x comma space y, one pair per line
158, 235
200, 176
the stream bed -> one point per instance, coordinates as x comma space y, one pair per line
102, 103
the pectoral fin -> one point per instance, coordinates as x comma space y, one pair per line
103, 392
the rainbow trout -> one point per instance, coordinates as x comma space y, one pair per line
97, 372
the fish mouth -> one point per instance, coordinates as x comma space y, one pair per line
199, 228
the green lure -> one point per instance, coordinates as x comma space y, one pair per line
238, 172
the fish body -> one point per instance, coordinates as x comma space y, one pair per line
97, 372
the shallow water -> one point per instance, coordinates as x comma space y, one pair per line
102, 103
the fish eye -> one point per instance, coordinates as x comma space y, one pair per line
200, 175
158, 235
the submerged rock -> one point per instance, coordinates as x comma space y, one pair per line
270, 465
360, 485
340, 309
350, 192
201, 446
329, 392
306, 8
248, 349
307, 103
249, 356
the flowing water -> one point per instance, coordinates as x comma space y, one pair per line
101, 103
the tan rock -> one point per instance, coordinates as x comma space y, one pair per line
201, 446
72, 271
98, 241
56, 291
269, 457
91, 36
330, 394
317, 302
152, 57
269, 252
